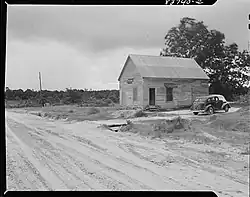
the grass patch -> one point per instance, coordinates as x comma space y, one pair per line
72, 112
235, 121
21, 103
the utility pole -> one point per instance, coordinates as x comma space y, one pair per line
40, 82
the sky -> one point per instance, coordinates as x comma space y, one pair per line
87, 46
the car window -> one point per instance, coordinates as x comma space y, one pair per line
216, 98
212, 99
222, 98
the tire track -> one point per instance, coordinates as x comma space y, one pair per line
21, 171
187, 178
99, 176
107, 161
45, 173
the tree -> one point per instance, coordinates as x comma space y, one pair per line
74, 95
225, 65
8, 94
18, 94
68, 97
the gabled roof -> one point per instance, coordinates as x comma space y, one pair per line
166, 67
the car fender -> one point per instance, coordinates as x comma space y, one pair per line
224, 104
208, 107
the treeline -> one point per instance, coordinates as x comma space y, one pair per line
70, 96
226, 65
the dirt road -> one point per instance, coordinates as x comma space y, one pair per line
54, 155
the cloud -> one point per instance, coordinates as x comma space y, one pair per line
86, 46
63, 66
100, 28
92, 28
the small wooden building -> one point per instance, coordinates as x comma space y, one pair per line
168, 82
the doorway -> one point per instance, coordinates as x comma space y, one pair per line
151, 96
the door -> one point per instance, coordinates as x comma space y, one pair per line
218, 103
151, 96
123, 100
129, 96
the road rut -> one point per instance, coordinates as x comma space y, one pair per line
54, 155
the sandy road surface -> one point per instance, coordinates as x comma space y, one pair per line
56, 155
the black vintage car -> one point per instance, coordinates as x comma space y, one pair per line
209, 104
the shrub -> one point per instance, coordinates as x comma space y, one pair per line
163, 127
93, 110
129, 122
169, 126
140, 113
109, 101
71, 111
103, 103
129, 127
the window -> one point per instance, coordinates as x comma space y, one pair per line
212, 99
134, 94
169, 94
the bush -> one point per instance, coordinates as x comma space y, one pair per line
140, 113
163, 127
71, 111
169, 126
102, 103
108, 101
92, 102
93, 110
127, 128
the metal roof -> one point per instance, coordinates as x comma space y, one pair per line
167, 67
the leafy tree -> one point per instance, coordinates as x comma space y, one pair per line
225, 65
74, 96
9, 94
18, 94
70, 96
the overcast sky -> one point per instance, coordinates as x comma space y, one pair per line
86, 46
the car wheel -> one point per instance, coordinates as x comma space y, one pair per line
226, 108
210, 110
195, 113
